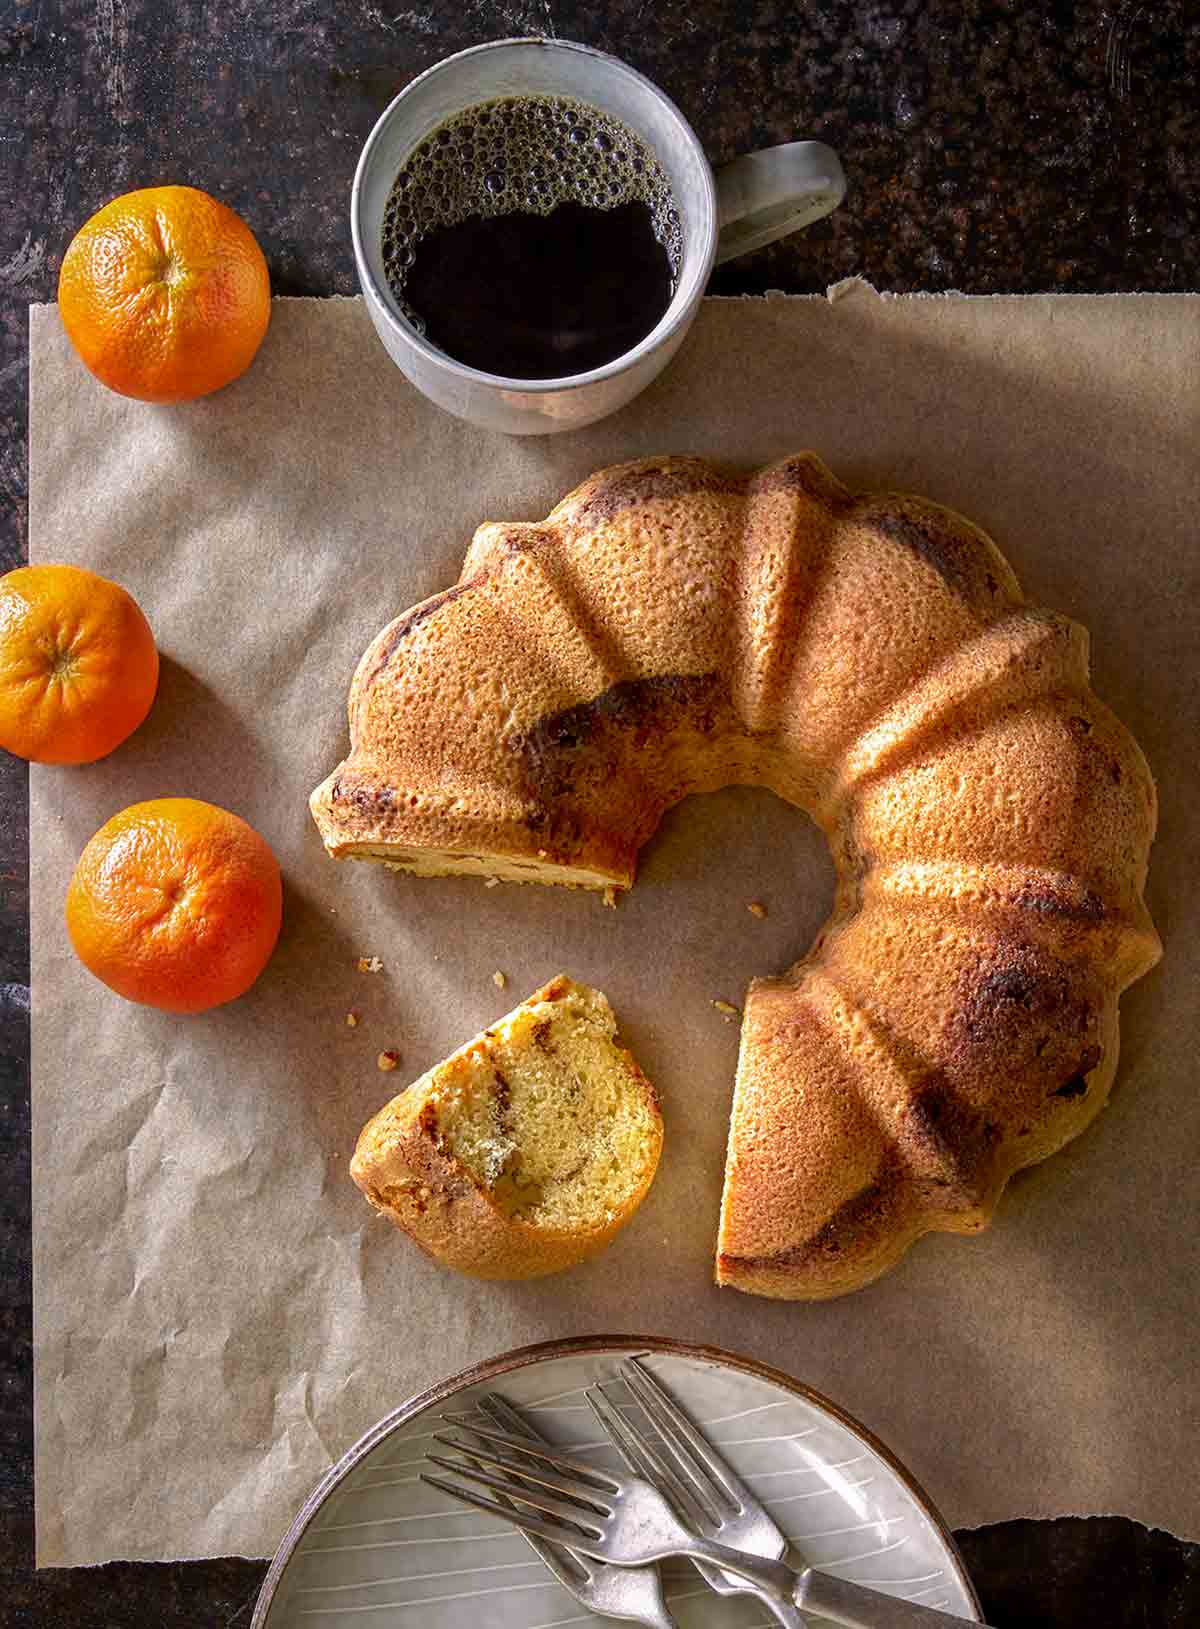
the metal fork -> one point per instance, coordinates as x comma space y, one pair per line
614, 1517
634, 1593
713, 1501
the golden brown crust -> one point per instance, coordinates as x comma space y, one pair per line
673, 627
406, 1171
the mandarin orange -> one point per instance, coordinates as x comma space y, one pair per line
177, 904
78, 664
165, 294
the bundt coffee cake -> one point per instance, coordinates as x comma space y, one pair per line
525, 1151
670, 629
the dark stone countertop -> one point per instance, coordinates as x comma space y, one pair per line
990, 147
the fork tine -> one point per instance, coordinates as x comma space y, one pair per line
529, 1477
553, 1532
585, 1520
714, 1499
622, 1436
499, 1410
502, 1413
570, 1567
642, 1458
674, 1424
537, 1449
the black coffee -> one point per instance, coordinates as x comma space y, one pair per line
532, 237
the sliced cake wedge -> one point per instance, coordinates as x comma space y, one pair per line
527, 1149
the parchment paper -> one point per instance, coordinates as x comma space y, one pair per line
218, 1316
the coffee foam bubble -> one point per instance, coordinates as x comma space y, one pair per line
527, 153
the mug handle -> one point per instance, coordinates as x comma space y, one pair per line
766, 195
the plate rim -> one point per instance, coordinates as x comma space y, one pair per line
521, 1357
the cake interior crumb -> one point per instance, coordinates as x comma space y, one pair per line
552, 1117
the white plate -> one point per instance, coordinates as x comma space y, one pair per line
374, 1546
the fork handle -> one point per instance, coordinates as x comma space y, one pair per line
857, 1607
775, 1580
820, 1593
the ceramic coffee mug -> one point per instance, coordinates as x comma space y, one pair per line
746, 204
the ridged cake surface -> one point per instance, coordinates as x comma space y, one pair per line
671, 628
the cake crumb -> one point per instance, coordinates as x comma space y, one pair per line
757, 908
352, 1018
492, 882
727, 1010
369, 964
387, 1061
610, 897
499, 979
